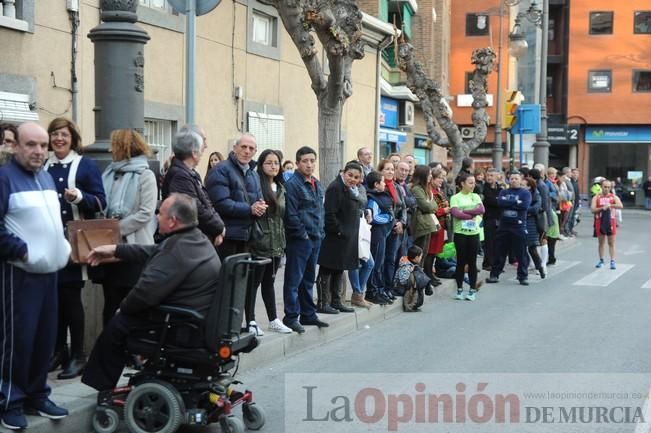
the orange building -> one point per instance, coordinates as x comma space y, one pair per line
475, 24
609, 87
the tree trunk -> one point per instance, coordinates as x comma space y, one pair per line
330, 146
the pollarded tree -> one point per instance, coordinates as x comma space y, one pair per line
435, 108
338, 25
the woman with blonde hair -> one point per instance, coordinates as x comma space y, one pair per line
81, 196
131, 193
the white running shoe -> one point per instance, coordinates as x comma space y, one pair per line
255, 329
277, 325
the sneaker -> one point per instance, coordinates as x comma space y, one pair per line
459, 296
48, 409
612, 264
14, 419
492, 280
600, 264
255, 329
470, 296
277, 326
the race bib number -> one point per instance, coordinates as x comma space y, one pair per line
469, 225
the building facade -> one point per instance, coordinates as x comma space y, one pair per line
249, 75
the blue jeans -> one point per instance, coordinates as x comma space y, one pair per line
647, 203
379, 234
300, 274
358, 277
391, 256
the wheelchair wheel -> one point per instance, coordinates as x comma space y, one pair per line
253, 416
232, 424
105, 420
154, 407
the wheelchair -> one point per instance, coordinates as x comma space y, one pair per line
186, 377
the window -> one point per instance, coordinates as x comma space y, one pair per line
642, 81
262, 32
17, 15
642, 22
157, 4
158, 133
269, 130
601, 23
599, 81
477, 25
466, 88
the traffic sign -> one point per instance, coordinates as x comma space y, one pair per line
202, 6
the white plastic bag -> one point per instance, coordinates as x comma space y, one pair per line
364, 240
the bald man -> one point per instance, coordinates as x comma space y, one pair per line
32, 249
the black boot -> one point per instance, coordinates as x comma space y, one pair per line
60, 358
323, 294
338, 293
74, 368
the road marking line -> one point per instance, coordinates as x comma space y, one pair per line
647, 285
557, 269
604, 276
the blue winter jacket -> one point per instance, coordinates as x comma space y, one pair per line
225, 184
304, 216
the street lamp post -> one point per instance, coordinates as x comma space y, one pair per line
541, 146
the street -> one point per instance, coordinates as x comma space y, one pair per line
578, 320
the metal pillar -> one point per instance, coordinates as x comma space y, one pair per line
119, 74
498, 152
541, 146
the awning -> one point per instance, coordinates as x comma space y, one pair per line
14, 107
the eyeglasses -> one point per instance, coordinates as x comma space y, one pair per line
272, 164
61, 134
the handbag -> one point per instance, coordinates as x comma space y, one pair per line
84, 235
364, 248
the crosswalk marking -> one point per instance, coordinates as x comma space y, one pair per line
604, 276
557, 269
647, 285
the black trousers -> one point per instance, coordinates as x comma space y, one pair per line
108, 358
114, 293
490, 233
265, 277
511, 240
71, 317
467, 247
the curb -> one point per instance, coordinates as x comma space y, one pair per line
80, 399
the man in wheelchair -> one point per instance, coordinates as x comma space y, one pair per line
182, 270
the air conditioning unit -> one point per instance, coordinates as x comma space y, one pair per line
406, 113
467, 132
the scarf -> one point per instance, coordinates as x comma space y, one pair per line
392, 190
120, 181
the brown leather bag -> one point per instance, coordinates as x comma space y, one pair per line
84, 235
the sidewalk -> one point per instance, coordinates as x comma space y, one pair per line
80, 399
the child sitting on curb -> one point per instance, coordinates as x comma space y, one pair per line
411, 280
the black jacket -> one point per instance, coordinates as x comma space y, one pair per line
493, 210
181, 178
339, 249
182, 270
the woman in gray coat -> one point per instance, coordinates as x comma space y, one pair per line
339, 250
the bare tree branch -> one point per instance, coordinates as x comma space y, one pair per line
435, 108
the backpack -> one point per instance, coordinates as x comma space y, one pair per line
413, 297
401, 277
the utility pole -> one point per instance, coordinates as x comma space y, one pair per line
541, 146
497, 143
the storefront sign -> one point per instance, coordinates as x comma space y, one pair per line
392, 136
560, 133
422, 143
618, 134
389, 110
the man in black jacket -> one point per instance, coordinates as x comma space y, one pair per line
182, 177
182, 270
491, 217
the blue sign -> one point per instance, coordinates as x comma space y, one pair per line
393, 136
527, 120
389, 110
618, 134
